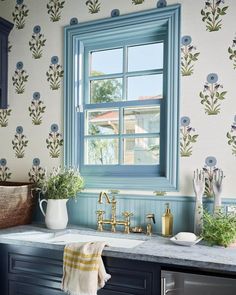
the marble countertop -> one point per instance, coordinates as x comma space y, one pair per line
154, 249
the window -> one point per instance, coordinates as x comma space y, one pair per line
121, 100
123, 93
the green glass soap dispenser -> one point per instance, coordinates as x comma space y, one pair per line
167, 222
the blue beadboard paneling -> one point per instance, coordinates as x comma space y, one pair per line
82, 210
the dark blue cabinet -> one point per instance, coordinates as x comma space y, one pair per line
5, 28
31, 270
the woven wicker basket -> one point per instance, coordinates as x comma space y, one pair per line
16, 203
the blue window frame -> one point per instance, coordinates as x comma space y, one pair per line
117, 137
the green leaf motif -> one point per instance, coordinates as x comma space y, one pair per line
232, 53
4, 115
94, 6
19, 79
36, 174
19, 143
187, 139
36, 109
54, 8
210, 98
54, 143
137, 2
231, 136
36, 45
54, 76
212, 13
5, 173
19, 15
188, 57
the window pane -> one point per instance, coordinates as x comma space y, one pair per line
102, 122
106, 62
145, 57
141, 151
101, 151
145, 120
107, 90
145, 87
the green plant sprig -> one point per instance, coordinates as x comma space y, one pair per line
62, 184
219, 229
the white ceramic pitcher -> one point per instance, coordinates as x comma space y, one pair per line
56, 216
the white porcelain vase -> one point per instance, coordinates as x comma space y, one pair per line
56, 216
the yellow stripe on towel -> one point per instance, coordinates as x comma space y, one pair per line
84, 268
79, 254
79, 260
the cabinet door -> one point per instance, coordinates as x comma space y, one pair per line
131, 277
17, 288
37, 271
3, 270
30, 268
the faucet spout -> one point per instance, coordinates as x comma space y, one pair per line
106, 196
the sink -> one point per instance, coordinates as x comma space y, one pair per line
66, 237
33, 236
112, 242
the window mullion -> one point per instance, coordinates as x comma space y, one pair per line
145, 72
125, 69
121, 142
86, 90
141, 135
120, 104
105, 76
102, 136
121, 113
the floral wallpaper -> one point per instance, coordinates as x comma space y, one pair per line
31, 130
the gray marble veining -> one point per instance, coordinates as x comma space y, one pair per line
154, 249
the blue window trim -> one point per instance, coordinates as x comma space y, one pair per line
76, 37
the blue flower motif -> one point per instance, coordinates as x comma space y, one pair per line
115, 12
54, 60
212, 78
186, 40
37, 29
210, 161
19, 65
3, 162
19, 2
36, 96
19, 129
54, 128
74, 21
161, 3
184, 121
36, 162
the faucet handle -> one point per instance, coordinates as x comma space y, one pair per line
100, 212
114, 191
151, 216
127, 214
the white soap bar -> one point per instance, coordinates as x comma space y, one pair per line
185, 236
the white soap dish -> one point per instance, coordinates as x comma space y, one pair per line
185, 239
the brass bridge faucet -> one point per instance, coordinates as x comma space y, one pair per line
113, 221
